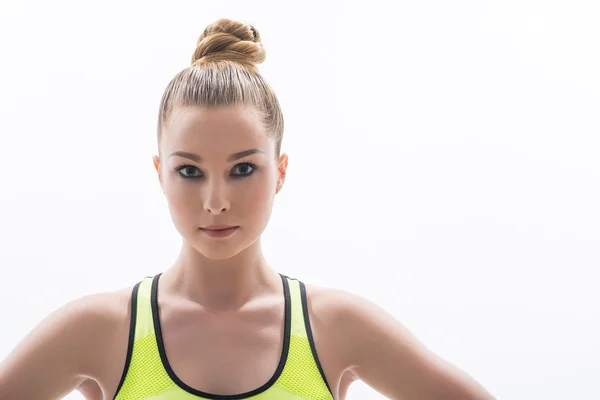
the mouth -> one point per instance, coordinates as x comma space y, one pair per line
219, 231
218, 227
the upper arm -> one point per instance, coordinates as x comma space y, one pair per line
57, 355
388, 357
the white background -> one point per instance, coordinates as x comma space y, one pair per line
443, 163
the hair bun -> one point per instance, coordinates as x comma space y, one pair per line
228, 40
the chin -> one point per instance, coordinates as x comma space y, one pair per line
220, 251
214, 254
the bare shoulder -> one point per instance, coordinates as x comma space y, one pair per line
328, 306
336, 312
381, 351
68, 347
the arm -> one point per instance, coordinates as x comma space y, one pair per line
57, 355
386, 356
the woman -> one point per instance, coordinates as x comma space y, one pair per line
220, 323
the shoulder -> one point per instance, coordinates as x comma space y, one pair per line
73, 342
94, 317
100, 308
378, 349
333, 313
357, 325
101, 322
341, 308
88, 319
331, 304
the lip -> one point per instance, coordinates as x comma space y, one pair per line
218, 227
219, 231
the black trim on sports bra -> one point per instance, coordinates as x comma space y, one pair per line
311, 340
134, 298
189, 389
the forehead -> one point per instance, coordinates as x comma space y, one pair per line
214, 130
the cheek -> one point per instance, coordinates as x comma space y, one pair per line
181, 200
177, 202
259, 201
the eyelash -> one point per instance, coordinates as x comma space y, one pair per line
181, 167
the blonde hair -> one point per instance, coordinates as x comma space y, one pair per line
224, 73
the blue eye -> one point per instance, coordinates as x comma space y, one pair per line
239, 171
189, 169
244, 169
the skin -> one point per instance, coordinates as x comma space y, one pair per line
229, 281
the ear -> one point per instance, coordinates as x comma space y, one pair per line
282, 170
156, 162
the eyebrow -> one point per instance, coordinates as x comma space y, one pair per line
233, 157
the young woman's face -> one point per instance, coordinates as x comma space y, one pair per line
218, 168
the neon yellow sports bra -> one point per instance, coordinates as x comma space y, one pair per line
148, 375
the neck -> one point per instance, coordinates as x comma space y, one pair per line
221, 285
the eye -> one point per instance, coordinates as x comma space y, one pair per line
244, 169
187, 171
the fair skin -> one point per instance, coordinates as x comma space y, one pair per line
82, 346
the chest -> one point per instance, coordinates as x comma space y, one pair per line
228, 353
223, 353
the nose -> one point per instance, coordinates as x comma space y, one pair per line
216, 200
